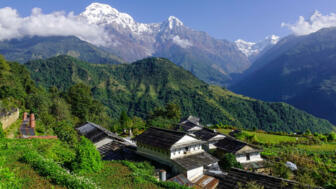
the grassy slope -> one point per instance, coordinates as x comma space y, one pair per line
316, 162
113, 175
265, 138
149, 83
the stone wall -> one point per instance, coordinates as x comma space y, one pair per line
9, 118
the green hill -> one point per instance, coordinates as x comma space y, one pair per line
142, 86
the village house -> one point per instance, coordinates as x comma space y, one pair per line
192, 126
247, 155
107, 143
179, 150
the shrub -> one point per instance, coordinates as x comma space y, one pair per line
7, 178
228, 161
65, 132
58, 175
88, 158
144, 171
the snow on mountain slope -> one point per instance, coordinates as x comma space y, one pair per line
252, 48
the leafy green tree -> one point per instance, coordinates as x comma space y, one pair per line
88, 158
228, 161
65, 132
60, 109
4, 67
80, 98
332, 136
173, 111
2, 132
125, 121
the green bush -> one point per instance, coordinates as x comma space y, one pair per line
88, 158
58, 175
228, 161
66, 133
8, 178
144, 171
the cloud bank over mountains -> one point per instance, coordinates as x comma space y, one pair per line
56, 23
91, 25
316, 22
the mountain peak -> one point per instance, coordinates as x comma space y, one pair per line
98, 13
254, 48
174, 22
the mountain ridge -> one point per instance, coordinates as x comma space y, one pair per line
300, 71
142, 86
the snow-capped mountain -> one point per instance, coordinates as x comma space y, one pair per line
208, 58
251, 49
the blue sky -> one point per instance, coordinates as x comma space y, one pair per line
250, 20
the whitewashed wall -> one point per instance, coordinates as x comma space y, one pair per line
253, 158
193, 149
194, 173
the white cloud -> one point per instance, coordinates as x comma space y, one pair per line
184, 43
56, 23
316, 22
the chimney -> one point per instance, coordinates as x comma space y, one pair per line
32, 121
163, 175
25, 116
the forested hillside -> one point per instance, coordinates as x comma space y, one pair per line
140, 87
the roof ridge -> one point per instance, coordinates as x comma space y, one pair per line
169, 130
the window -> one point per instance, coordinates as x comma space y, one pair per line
247, 157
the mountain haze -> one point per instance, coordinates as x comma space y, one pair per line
299, 70
29, 48
144, 85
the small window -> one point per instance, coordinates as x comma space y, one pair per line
248, 157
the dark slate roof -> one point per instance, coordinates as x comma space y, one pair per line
205, 134
231, 145
191, 119
194, 161
161, 138
96, 133
187, 125
236, 176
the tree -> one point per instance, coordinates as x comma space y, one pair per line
125, 121
66, 133
60, 109
228, 161
331, 136
80, 98
2, 132
4, 67
173, 111
87, 157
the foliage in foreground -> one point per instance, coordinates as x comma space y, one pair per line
7, 177
144, 172
88, 158
50, 169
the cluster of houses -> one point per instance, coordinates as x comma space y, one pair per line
185, 150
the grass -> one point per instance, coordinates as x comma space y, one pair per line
327, 147
11, 151
13, 130
266, 138
116, 175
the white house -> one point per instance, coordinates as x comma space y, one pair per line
246, 154
192, 126
179, 150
